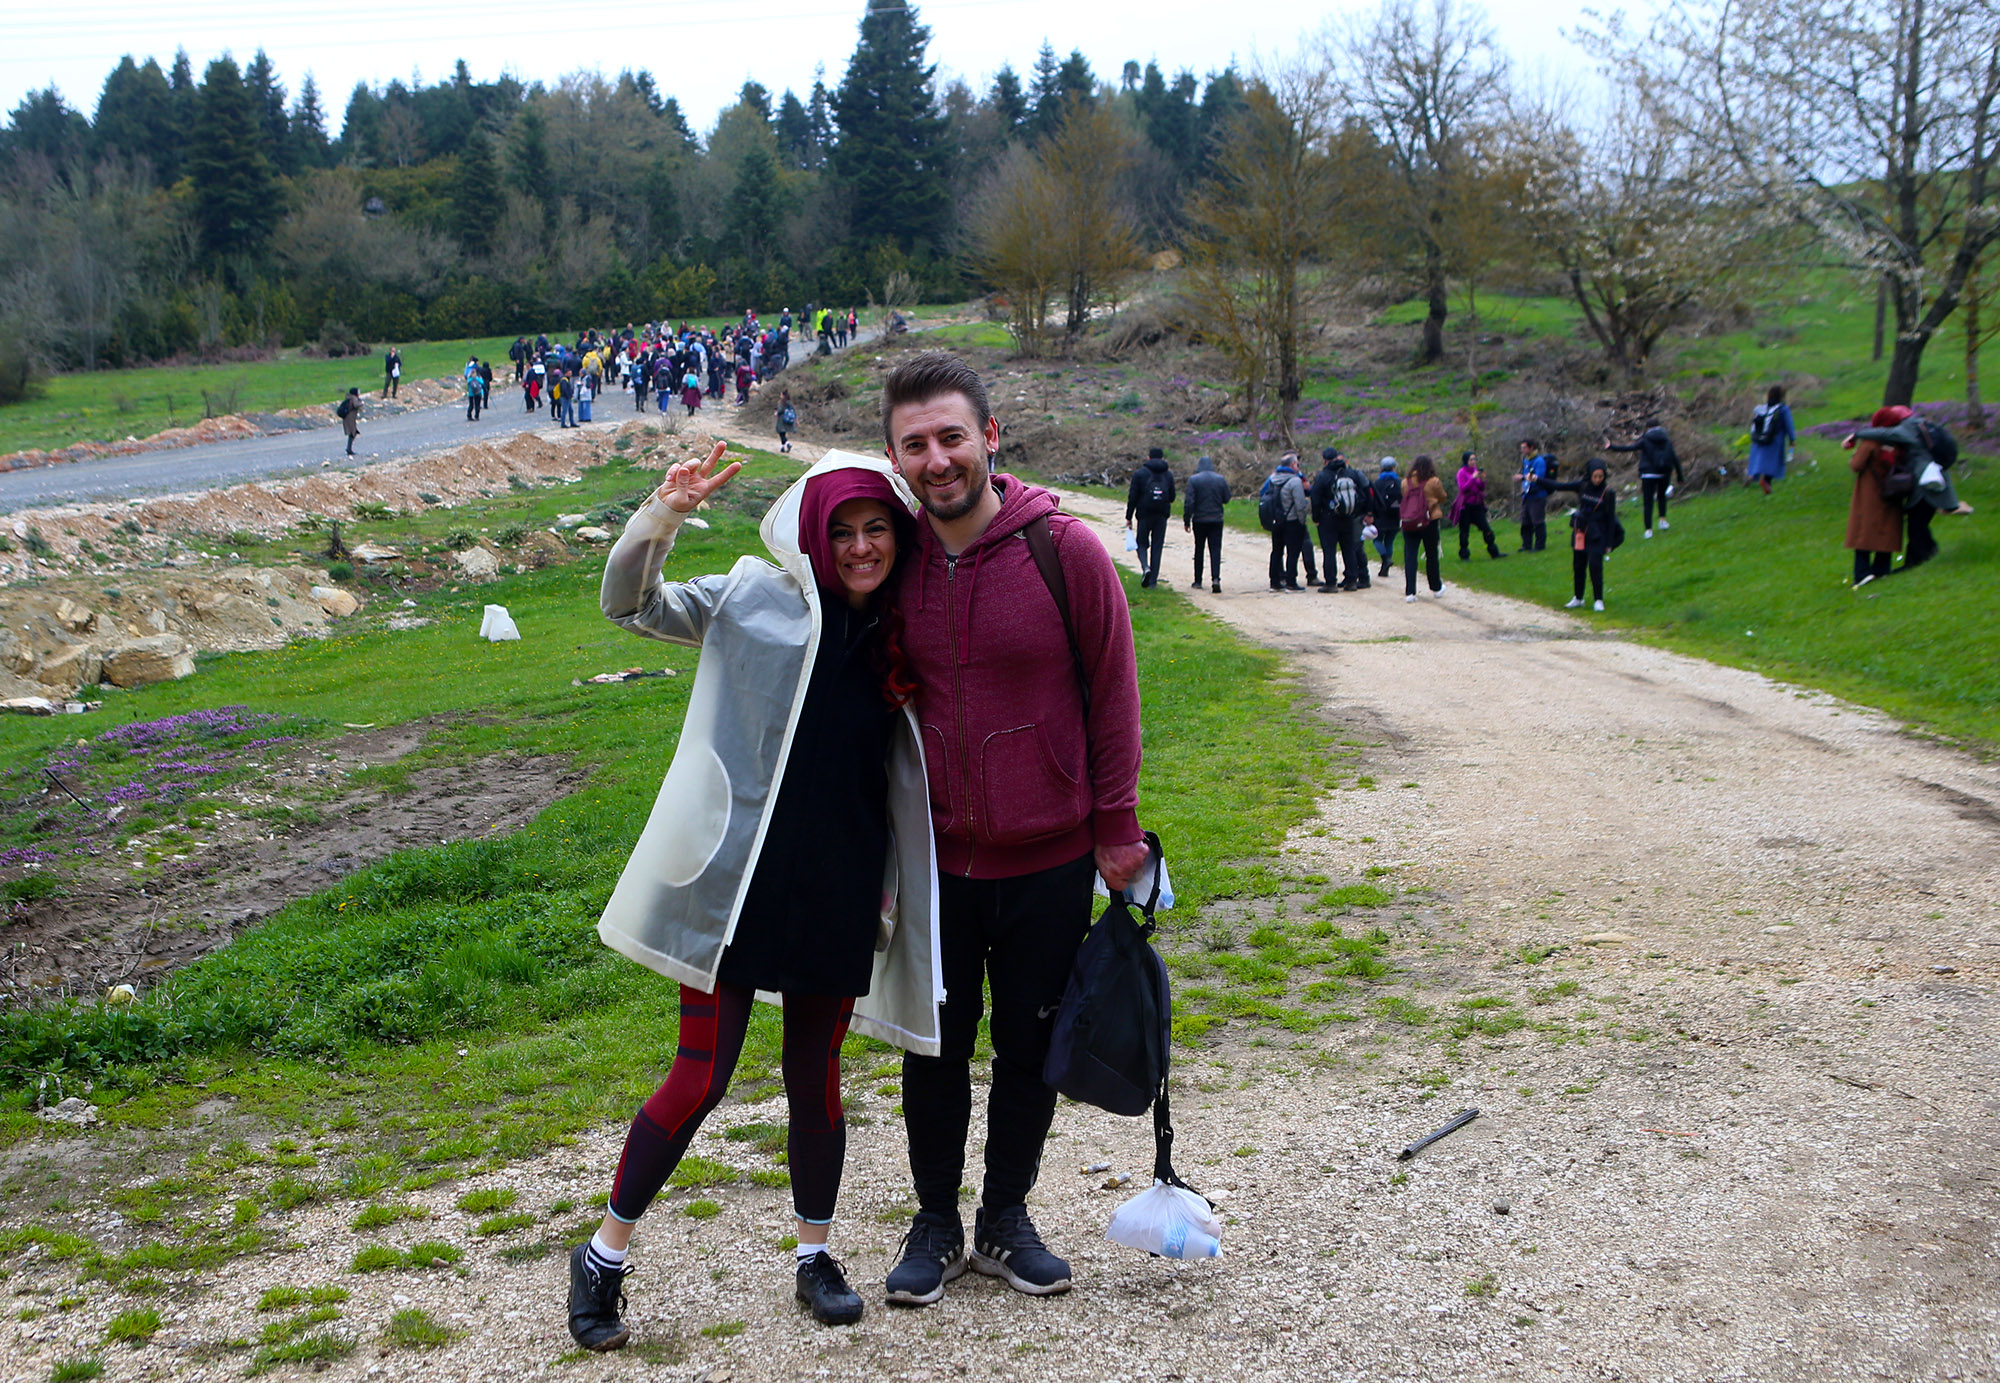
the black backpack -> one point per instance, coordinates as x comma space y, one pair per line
1159, 488
1939, 442
1112, 1031
1345, 497
1764, 425
1114, 1028
1267, 504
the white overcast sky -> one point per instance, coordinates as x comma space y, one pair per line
701, 53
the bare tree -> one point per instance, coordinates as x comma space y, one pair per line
1258, 233
1014, 243
1425, 75
1636, 218
1872, 122
1083, 163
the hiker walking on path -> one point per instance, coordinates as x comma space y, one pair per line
349, 413
1875, 510
1537, 469
1023, 651
1468, 508
1594, 528
392, 372
1929, 451
1287, 493
1771, 437
1659, 468
1201, 514
787, 419
1388, 504
475, 390
1420, 514
799, 769
1150, 497
518, 353
1341, 499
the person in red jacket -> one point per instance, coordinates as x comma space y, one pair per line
1031, 798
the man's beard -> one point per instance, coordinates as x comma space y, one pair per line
975, 490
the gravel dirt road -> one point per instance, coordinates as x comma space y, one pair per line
1755, 1138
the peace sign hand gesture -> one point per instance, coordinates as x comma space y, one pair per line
689, 483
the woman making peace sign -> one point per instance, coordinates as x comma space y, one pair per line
790, 847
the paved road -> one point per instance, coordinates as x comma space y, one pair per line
218, 464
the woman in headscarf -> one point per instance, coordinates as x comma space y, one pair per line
789, 851
1875, 518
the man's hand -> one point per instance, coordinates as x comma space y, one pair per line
1118, 863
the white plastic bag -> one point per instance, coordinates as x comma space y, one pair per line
1167, 1220
1141, 887
1131, 540
497, 625
1932, 478
1369, 532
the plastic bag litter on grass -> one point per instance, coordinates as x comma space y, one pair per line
1167, 1220
497, 625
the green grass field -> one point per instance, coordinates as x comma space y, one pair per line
1762, 583
349, 1005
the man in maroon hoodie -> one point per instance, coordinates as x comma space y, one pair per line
1029, 802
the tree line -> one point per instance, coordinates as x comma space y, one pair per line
1394, 154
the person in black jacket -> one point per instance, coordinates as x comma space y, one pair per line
1341, 499
1201, 514
1659, 468
1151, 498
1592, 523
1388, 500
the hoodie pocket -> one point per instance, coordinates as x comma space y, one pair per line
937, 773
1028, 794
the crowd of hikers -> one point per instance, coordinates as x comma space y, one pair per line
673, 365
1902, 464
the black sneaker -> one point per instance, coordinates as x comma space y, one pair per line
595, 1299
933, 1254
1006, 1246
1216, 588
823, 1287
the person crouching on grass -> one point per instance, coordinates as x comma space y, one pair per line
797, 778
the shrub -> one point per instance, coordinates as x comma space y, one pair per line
338, 341
373, 509
512, 534
340, 571
459, 539
134, 1327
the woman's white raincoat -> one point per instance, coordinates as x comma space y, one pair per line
758, 626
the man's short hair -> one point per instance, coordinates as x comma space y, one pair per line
1156, 454
928, 375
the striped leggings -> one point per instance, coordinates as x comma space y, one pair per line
711, 1039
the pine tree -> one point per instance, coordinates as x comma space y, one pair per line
795, 133
477, 202
1009, 102
754, 206
361, 128
236, 193
183, 97
267, 94
677, 124
820, 113
1079, 83
132, 117
528, 166
757, 96
43, 124
310, 146
1046, 91
1167, 115
892, 139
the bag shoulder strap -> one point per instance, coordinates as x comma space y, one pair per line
1042, 547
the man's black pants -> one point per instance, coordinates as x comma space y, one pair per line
1288, 544
1652, 491
1019, 936
1209, 536
1152, 539
1534, 522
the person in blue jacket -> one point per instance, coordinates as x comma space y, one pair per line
1771, 438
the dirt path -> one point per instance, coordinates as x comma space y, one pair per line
1756, 1139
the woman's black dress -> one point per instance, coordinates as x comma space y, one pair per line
809, 921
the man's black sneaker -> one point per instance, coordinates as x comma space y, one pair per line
1216, 588
933, 1254
595, 1299
823, 1287
1006, 1246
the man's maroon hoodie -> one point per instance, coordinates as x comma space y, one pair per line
1004, 741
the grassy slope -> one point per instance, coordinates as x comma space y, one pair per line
489, 944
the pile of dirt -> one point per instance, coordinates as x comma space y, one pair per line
103, 930
270, 509
59, 636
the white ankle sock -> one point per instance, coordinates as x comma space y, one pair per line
805, 1251
599, 1249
